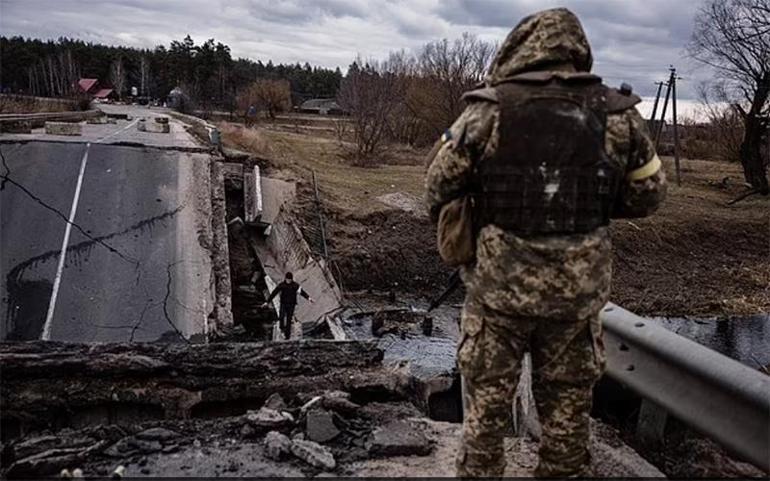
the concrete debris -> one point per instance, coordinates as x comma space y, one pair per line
277, 445
63, 128
399, 438
276, 402
340, 405
247, 431
157, 434
119, 472
319, 426
310, 403
131, 445
314, 454
267, 418
158, 128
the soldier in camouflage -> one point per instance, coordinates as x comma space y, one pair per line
541, 291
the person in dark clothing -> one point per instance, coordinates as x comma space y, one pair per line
288, 290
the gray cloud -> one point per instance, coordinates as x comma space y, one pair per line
633, 40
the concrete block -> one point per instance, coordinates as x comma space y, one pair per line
144, 126
63, 128
161, 120
20, 127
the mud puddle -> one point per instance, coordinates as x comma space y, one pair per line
744, 339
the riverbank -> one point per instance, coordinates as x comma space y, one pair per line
696, 257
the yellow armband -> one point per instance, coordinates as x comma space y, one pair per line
647, 170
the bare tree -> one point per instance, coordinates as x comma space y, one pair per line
144, 75
733, 37
118, 76
447, 70
371, 93
725, 122
271, 95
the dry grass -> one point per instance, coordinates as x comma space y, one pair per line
347, 187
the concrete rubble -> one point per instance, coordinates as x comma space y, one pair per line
63, 128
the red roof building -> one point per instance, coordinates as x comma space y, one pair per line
103, 93
88, 85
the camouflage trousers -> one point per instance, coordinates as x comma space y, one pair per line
567, 359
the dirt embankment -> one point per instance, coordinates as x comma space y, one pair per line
697, 256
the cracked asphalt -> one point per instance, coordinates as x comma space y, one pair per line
137, 263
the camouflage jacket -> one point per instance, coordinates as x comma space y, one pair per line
553, 276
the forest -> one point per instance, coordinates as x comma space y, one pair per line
206, 72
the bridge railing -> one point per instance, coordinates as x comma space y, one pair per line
718, 396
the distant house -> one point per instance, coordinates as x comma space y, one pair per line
321, 107
88, 85
91, 87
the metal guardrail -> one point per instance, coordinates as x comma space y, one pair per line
716, 395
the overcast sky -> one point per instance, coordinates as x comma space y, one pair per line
633, 40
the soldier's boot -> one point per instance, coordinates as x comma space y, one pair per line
489, 358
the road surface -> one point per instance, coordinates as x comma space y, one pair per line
137, 265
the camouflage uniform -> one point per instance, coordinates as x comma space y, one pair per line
539, 294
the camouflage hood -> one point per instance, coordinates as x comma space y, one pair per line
546, 39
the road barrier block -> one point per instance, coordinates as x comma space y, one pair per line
16, 127
144, 126
63, 128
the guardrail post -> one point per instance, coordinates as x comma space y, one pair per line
651, 425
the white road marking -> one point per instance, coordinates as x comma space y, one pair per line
117, 132
46, 335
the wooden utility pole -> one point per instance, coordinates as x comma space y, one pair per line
655, 106
663, 114
676, 128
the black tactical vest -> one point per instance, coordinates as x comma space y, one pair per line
550, 174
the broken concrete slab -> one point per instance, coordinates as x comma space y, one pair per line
314, 454
399, 438
267, 418
63, 128
252, 195
276, 193
158, 434
339, 404
275, 401
319, 426
277, 445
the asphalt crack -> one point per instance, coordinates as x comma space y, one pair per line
6, 178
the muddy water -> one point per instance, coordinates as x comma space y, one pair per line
743, 339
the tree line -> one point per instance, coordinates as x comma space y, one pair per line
207, 73
411, 97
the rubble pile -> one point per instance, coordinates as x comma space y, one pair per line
322, 434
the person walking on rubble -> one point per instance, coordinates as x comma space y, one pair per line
288, 290
543, 155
